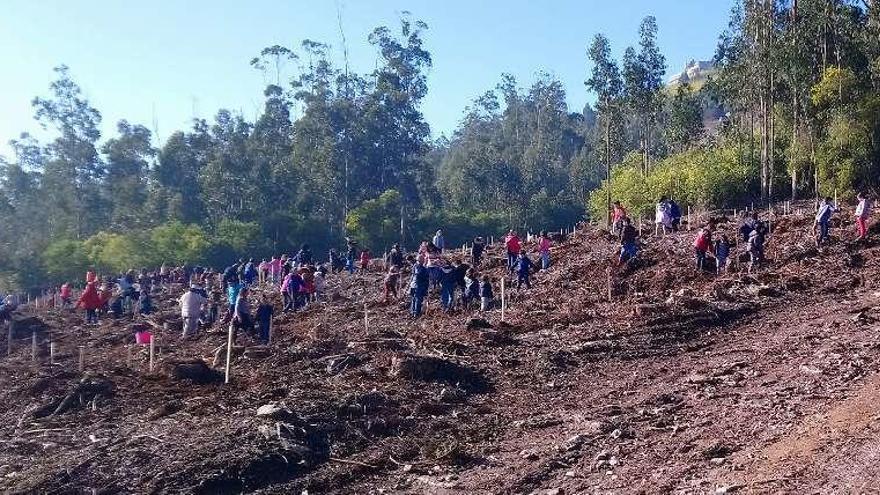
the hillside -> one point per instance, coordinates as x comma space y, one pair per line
681, 382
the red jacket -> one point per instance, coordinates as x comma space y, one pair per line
703, 242
513, 244
89, 299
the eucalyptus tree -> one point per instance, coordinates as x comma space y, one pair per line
606, 83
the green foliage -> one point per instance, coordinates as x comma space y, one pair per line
244, 238
836, 87
458, 227
177, 243
66, 260
844, 157
704, 177
375, 224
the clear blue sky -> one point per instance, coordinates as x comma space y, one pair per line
177, 59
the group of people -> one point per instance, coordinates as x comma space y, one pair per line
458, 284
753, 232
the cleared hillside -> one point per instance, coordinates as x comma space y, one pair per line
681, 382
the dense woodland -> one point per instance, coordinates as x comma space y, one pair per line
792, 110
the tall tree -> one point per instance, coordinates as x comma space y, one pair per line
643, 73
128, 161
605, 81
73, 170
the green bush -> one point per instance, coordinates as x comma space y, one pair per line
699, 177
65, 261
375, 224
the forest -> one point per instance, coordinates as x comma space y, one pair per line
791, 109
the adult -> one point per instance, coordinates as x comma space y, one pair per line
477, 249
543, 249
395, 257
191, 303
418, 287
303, 256
90, 301
618, 213
439, 241
675, 215
241, 317
514, 246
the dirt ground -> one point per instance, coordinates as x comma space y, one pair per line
679, 382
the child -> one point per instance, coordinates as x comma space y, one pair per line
823, 220
722, 252
390, 282
264, 316
365, 260
628, 246
486, 297
702, 245
863, 212
755, 248
65, 295
523, 270
471, 288
320, 282
145, 303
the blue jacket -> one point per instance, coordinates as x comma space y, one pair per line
419, 279
524, 265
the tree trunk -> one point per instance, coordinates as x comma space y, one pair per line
794, 144
608, 171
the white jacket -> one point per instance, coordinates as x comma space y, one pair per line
191, 304
863, 210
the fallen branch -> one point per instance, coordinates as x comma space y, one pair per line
355, 463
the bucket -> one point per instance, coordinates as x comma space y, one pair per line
143, 337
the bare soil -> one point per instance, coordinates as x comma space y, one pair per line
680, 382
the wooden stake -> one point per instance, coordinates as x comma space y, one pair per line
51, 352
610, 293
34, 346
82, 359
152, 351
503, 299
366, 318
9, 339
128, 356
229, 354
689, 219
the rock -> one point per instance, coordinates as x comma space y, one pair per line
477, 323
275, 411
554, 491
407, 468
529, 455
165, 409
717, 449
196, 371
603, 455
435, 369
257, 352
613, 461
717, 461
575, 442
